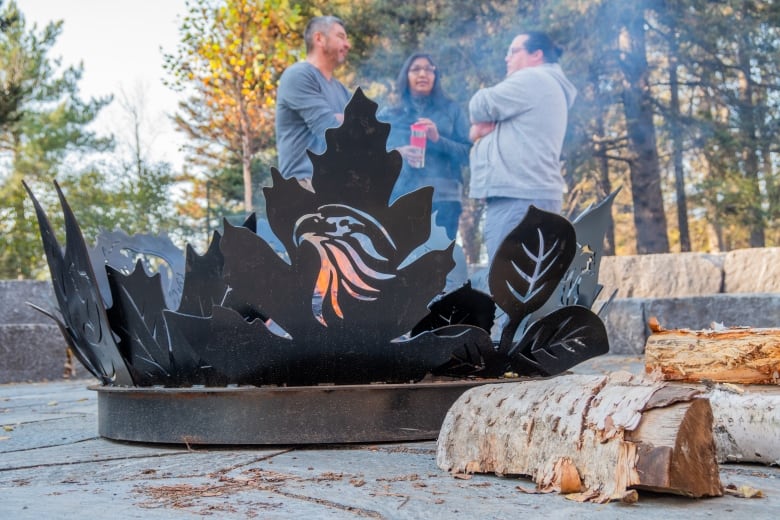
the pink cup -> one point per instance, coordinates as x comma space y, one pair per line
417, 141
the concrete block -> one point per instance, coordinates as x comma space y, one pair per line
626, 326
33, 352
14, 295
662, 276
752, 271
731, 310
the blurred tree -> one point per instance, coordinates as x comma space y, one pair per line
687, 87
10, 92
727, 59
49, 121
675, 119
638, 108
230, 57
127, 191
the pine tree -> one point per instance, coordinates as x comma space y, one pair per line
48, 121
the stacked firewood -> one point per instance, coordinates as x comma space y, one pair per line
707, 397
740, 368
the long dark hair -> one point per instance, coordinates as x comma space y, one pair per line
402, 81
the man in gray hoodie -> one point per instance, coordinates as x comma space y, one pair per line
518, 127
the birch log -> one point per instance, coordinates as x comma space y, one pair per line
734, 355
747, 424
596, 436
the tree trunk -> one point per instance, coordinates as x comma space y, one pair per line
596, 436
469, 229
677, 151
769, 178
246, 155
649, 215
747, 124
605, 186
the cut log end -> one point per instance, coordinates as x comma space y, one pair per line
676, 450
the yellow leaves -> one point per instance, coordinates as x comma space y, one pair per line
234, 55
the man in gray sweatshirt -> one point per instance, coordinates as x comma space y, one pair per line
310, 99
518, 127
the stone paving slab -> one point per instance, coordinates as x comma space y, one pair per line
53, 465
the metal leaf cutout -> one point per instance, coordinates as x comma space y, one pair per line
155, 252
579, 285
463, 306
203, 285
560, 340
528, 265
137, 320
77, 292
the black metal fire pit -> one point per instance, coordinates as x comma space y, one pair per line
328, 327
278, 415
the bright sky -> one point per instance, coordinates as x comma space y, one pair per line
119, 43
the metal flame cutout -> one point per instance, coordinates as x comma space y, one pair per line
355, 297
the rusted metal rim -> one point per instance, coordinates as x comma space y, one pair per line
278, 415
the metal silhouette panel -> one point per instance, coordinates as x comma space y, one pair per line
356, 296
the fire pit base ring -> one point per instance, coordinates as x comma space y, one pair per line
278, 415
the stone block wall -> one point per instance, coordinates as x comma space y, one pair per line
31, 345
661, 276
689, 290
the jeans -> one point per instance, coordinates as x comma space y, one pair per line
503, 214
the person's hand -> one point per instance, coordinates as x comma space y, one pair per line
411, 154
479, 130
408, 152
339, 117
431, 131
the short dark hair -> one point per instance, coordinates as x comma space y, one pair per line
538, 40
319, 24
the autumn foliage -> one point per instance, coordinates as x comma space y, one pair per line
231, 55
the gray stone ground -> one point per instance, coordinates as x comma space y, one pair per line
54, 465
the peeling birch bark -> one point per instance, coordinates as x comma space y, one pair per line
618, 432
